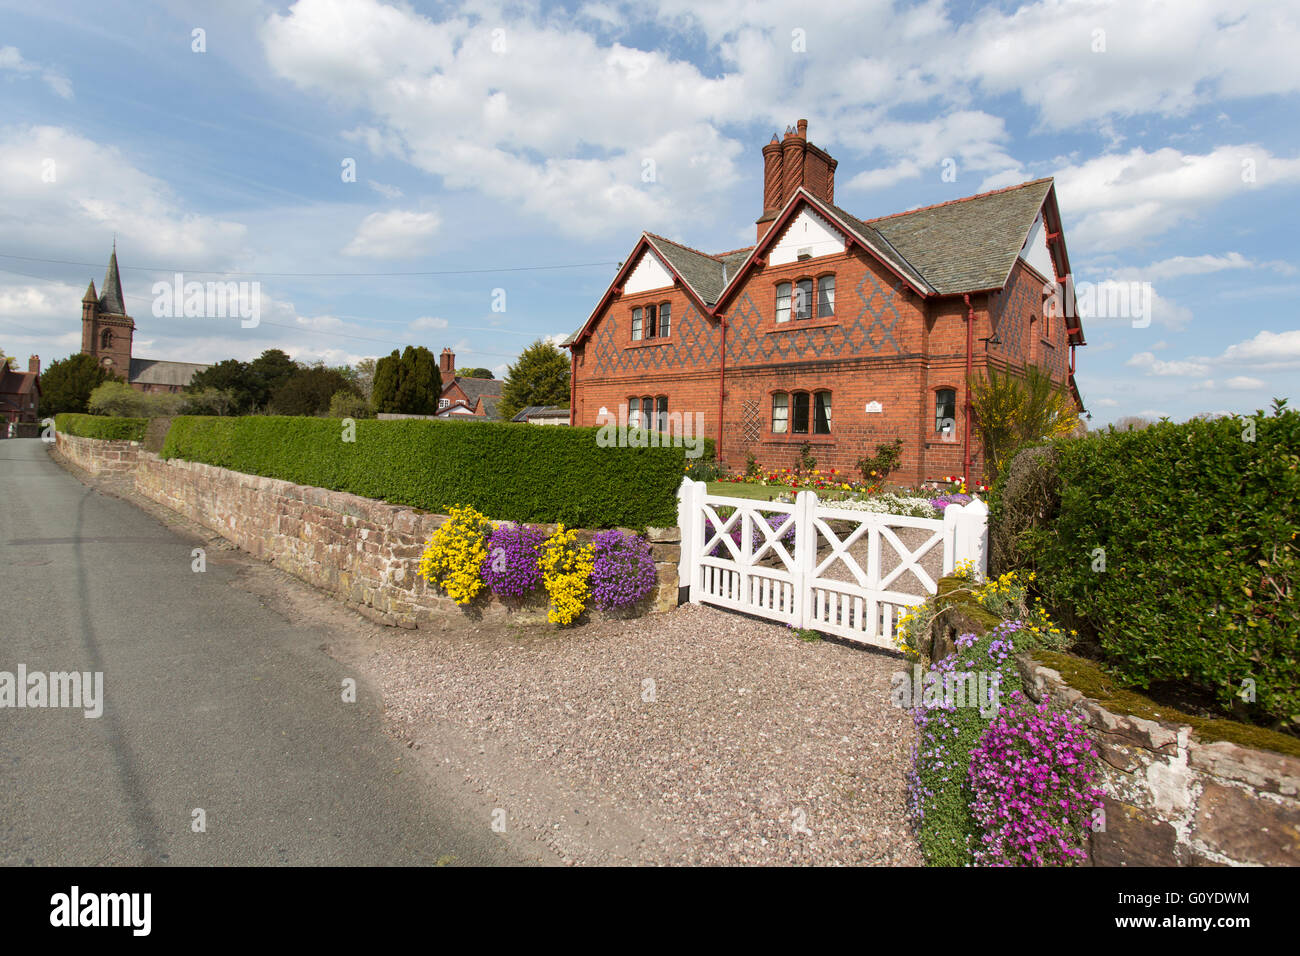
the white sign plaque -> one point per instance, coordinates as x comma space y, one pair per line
874, 407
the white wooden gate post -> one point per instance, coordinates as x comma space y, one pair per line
688, 523
972, 536
805, 554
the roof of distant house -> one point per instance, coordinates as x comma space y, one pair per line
157, 372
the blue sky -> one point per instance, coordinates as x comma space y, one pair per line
509, 137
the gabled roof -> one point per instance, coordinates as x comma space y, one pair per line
110, 300
475, 388
967, 245
14, 382
953, 248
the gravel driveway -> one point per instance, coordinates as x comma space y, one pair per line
750, 746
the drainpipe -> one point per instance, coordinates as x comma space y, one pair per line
722, 379
970, 345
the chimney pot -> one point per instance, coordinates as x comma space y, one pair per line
803, 128
34, 365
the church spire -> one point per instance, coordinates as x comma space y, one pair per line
91, 295
111, 301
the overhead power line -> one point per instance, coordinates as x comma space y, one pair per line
317, 275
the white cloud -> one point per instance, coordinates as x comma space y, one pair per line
12, 60
1244, 383
1155, 366
1127, 198
96, 192
398, 234
427, 323
1104, 402
1267, 350
385, 190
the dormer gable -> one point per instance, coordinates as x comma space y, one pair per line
649, 273
809, 236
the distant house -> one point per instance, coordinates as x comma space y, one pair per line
106, 334
20, 392
466, 397
543, 415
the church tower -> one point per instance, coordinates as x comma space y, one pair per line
106, 329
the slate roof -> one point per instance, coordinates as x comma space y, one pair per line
156, 372
475, 388
966, 245
110, 300
489, 405
532, 410
14, 382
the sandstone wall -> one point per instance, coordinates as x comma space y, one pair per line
1175, 801
362, 550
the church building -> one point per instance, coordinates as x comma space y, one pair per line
106, 334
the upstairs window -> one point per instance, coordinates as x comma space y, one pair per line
803, 299
945, 411
651, 326
783, 302
665, 320
636, 325
825, 296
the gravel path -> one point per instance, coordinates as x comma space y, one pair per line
756, 747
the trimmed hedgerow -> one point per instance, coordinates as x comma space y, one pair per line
1197, 525
101, 426
508, 471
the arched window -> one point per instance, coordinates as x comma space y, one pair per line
106, 339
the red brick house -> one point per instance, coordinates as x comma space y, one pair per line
465, 397
20, 392
830, 330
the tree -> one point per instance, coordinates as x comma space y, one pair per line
309, 391
365, 377
209, 401
1013, 409
7, 361
540, 376
268, 372
474, 373
1131, 423
237, 379
66, 385
409, 383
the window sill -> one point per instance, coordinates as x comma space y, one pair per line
649, 343
1050, 345
795, 325
799, 439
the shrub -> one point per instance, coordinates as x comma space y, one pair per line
453, 558
939, 790
623, 569
876, 468
1032, 781
1025, 497
121, 400
346, 404
100, 426
1195, 527
511, 473
512, 568
566, 568
1015, 408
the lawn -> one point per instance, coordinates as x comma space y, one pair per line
736, 489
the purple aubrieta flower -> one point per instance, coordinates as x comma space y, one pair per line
623, 570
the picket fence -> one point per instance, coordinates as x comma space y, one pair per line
802, 563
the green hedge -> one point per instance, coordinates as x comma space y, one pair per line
101, 426
508, 471
1199, 528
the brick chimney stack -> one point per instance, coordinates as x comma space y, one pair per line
447, 365
792, 162
34, 365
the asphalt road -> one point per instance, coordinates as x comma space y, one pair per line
213, 700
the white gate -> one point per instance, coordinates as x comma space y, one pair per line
810, 564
